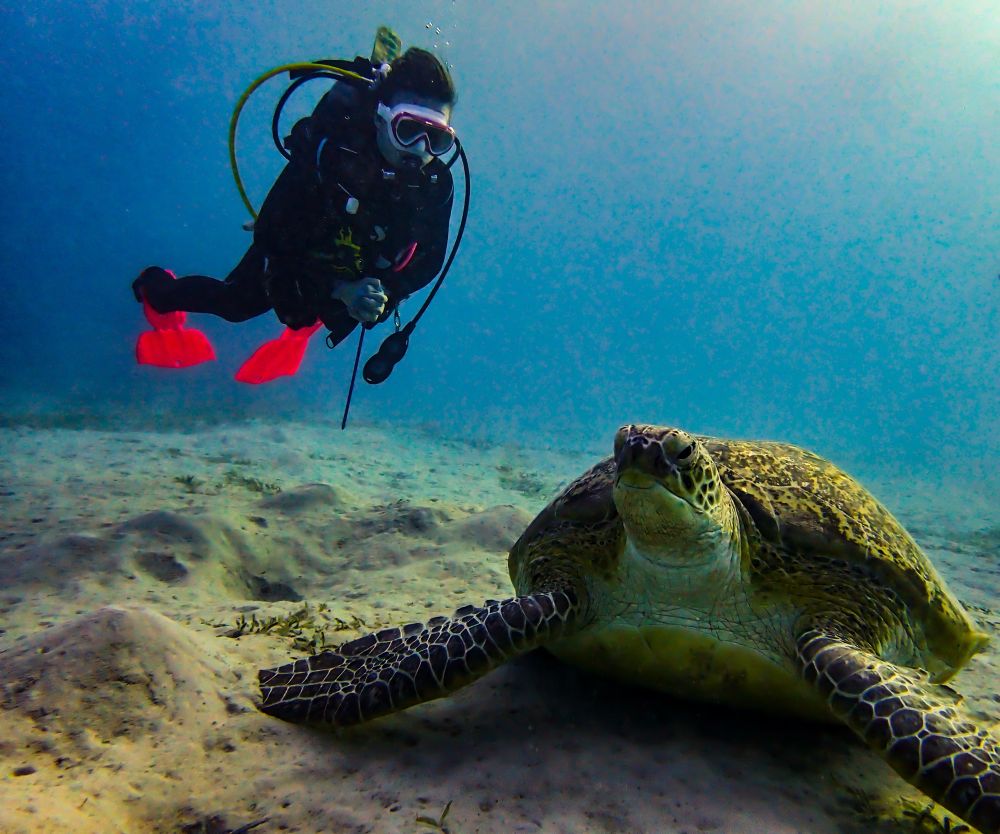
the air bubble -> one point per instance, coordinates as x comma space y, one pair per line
428, 25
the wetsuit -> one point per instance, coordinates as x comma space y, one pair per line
337, 212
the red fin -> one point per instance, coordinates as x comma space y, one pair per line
170, 344
278, 357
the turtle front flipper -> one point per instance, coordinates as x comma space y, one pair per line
396, 668
923, 735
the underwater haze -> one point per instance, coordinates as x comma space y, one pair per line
766, 219
763, 219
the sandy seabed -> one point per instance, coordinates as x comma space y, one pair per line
128, 689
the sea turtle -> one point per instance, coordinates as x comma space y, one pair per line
740, 572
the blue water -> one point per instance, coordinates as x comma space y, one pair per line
772, 219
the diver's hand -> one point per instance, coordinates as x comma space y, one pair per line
365, 298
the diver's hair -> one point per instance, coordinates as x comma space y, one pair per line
421, 72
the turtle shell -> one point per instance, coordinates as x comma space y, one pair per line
807, 507
804, 512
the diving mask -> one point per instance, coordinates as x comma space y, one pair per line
410, 124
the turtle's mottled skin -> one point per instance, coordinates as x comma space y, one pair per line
746, 573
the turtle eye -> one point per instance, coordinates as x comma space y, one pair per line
686, 452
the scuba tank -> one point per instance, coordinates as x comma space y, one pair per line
362, 74
347, 99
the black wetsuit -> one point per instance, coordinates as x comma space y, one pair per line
337, 212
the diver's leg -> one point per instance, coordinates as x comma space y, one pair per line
239, 297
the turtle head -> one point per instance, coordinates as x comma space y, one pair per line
669, 494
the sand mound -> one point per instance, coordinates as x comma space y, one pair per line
87, 705
158, 547
403, 534
496, 528
206, 551
116, 672
306, 497
58, 563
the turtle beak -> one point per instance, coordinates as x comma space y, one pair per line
655, 456
640, 458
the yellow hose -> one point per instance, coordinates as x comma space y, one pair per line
243, 100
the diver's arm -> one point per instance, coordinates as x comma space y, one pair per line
431, 234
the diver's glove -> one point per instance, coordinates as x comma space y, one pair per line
365, 299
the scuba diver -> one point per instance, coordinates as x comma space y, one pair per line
356, 222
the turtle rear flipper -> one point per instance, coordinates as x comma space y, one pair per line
396, 668
923, 735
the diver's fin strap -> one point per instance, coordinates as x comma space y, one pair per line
396, 668
277, 357
925, 737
